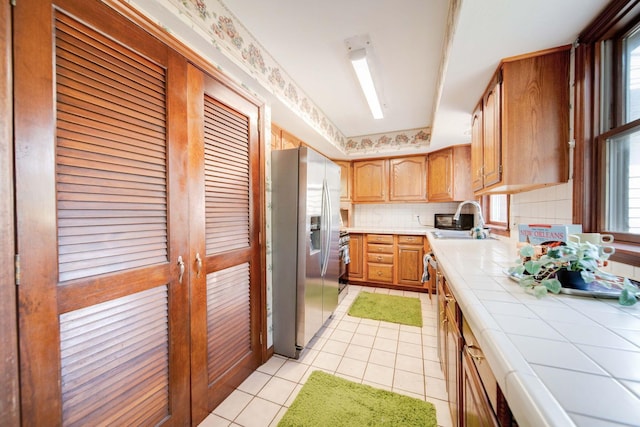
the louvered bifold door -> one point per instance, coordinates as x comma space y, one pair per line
102, 219
225, 144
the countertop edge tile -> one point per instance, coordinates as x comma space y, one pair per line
466, 261
531, 403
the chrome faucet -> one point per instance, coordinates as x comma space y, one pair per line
456, 217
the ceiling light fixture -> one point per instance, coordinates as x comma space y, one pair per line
360, 64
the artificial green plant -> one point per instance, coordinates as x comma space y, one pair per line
538, 274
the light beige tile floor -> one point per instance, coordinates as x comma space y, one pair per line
389, 356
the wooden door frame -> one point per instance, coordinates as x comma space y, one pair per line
9, 378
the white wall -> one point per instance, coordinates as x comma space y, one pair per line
553, 205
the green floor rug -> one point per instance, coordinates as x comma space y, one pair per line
328, 401
390, 308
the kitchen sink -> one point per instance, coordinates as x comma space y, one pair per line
455, 234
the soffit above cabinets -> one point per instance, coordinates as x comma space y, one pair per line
433, 60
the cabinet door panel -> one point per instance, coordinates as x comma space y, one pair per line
289, 140
453, 348
441, 175
224, 183
477, 151
492, 136
356, 267
410, 265
99, 171
476, 410
407, 179
370, 181
345, 181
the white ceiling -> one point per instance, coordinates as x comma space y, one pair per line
308, 38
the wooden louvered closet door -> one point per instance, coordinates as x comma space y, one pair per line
225, 191
102, 218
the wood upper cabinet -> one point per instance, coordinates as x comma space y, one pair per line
397, 179
520, 135
477, 149
449, 177
491, 135
345, 180
276, 137
370, 181
406, 181
289, 140
282, 140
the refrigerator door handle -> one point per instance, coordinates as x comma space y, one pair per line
326, 216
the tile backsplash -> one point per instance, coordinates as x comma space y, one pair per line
399, 215
548, 205
553, 205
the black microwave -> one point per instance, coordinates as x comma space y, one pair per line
446, 222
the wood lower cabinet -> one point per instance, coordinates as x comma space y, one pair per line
394, 261
410, 253
450, 345
476, 408
475, 400
380, 259
356, 254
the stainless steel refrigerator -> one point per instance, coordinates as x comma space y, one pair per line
306, 226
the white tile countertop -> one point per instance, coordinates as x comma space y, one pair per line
560, 360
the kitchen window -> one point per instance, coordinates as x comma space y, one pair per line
495, 209
607, 128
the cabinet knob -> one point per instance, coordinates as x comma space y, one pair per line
379, 273
379, 258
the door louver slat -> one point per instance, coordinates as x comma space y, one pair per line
114, 356
110, 156
226, 154
228, 318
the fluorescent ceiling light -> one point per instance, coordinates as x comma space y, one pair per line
361, 66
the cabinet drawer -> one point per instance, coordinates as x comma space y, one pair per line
379, 249
380, 238
380, 258
410, 240
380, 272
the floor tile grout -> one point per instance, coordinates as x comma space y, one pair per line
331, 354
